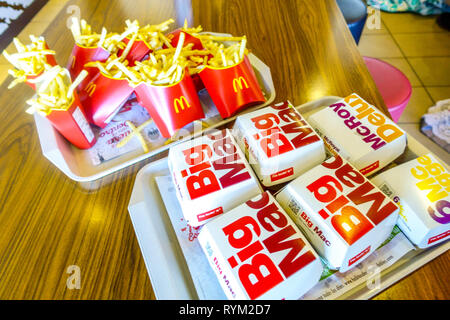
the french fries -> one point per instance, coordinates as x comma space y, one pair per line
85, 37
55, 91
135, 132
29, 60
224, 55
153, 35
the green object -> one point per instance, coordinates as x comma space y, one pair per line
423, 7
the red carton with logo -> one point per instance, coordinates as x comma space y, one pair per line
343, 215
103, 96
72, 124
211, 176
278, 143
171, 107
232, 88
138, 51
80, 56
257, 252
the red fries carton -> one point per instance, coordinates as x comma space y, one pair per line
103, 96
80, 56
343, 215
174, 36
360, 133
257, 252
211, 176
72, 124
232, 88
278, 143
50, 60
138, 51
421, 188
171, 107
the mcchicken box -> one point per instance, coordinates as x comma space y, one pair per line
211, 176
278, 143
421, 187
257, 252
360, 133
343, 215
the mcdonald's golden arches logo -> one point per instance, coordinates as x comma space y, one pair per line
180, 103
90, 88
239, 82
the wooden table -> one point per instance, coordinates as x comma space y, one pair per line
49, 223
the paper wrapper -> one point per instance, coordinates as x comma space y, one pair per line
211, 176
421, 189
137, 52
80, 56
278, 143
232, 88
72, 124
171, 107
102, 98
344, 216
257, 252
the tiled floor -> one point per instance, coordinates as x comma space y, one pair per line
421, 50
414, 44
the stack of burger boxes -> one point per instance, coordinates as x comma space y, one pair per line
325, 210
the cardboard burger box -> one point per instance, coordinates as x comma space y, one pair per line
343, 215
211, 176
421, 188
278, 143
257, 252
360, 133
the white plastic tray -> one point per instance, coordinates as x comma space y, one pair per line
76, 164
163, 256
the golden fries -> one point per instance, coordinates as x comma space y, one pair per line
224, 55
152, 35
83, 36
135, 132
55, 90
29, 60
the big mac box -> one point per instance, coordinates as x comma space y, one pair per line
211, 176
342, 214
421, 188
257, 252
278, 143
360, 133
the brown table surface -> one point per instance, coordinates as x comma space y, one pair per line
49, 222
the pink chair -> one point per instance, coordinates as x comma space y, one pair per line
393, 85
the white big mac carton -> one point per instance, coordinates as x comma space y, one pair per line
211, 176
342, 214
421, 188
257, 252
278, 143
360, 133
